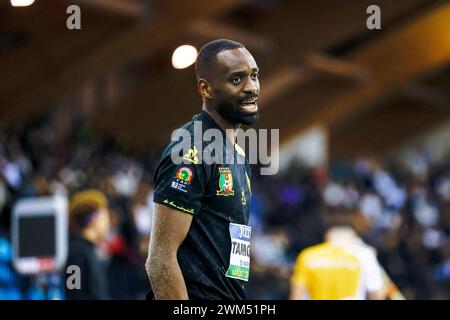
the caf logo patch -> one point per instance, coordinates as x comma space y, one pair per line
225, 182
184, 174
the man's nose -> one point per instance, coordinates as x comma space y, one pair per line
251, 87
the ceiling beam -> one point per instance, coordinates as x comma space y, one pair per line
337, 67
379, 130
128, 8
281, 83
393, 60
216, 30
286, 80
436, 97
130, 45
283, 71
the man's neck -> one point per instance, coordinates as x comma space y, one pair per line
223, 123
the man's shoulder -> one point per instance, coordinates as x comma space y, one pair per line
198, 121
315, 250
189, 141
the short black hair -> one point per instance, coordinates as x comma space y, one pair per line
209, 52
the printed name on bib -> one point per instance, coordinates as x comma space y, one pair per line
240, 252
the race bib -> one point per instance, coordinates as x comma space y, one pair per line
240, 252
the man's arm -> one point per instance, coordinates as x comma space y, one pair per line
170, 228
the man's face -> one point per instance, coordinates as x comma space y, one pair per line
235, 86
102, 223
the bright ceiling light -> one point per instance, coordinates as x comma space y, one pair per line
21, 3
184, 56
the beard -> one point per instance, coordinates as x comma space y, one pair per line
234, 113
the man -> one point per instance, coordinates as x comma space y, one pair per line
200, 241
343, 267
89, 224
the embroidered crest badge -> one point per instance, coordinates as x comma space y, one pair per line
225, 182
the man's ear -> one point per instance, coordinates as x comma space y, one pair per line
204, 88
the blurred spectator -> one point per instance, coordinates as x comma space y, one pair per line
342, 267
89, 225
127, 246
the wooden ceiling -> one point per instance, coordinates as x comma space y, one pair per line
319, 64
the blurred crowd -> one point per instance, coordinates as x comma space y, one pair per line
401, 209
37, 161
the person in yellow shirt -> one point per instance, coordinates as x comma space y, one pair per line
342, 267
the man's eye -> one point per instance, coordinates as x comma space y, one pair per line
255, 76
236, 79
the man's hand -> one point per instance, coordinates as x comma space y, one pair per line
170, 227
